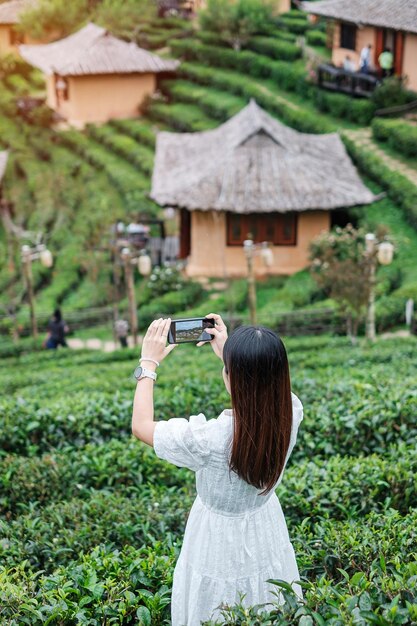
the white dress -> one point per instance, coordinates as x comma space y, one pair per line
235, 539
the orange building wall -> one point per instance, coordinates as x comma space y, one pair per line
210, 256
410, 60
5, 37
364, 36
101, 98
284, 6
5, 46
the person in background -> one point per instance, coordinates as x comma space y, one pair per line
349, 65
365, 59
57, 330
121, 328
386, 62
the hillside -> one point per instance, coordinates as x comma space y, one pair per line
74, 185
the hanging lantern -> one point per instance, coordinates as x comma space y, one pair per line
125, 253
145, 265
385, 252
267, 257
46, 258
370, 241
169, 213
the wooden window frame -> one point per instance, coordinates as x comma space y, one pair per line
347, 37
262, 230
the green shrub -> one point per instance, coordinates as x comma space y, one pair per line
296, 24
282, 50
316, 38
399, 188
180, 117
340, 105
392, 92
230, 81
400, 135
136, 129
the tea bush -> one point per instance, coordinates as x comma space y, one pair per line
399, 135
92, 521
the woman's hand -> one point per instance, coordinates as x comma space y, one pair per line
219, 333
154, 345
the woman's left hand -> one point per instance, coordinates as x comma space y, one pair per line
154, 345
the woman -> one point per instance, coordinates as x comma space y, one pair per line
236, 537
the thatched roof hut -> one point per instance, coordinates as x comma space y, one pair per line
253, 175
253, 163
93, 50
92, 76
393, 14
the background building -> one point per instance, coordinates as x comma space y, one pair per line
10, 37
381, 23
92, 76
253, 175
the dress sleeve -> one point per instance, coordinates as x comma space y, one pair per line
297, 417
182, 442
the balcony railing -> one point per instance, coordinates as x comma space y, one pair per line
351, 83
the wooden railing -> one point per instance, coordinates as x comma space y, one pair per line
351, 83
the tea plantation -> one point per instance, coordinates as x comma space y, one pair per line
92, 522
73, 185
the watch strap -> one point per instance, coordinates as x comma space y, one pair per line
145, 373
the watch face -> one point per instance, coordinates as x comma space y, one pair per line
138, 372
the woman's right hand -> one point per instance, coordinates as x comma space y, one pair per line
219, 333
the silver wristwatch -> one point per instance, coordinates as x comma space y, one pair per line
141, 372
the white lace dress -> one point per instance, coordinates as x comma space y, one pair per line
235, 539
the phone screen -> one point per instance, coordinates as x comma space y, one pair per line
183, 331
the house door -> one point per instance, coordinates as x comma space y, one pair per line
387, 38
185, 233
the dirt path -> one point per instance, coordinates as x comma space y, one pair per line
97, 344
363, 138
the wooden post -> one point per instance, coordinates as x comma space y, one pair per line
248, 246
133, 315
370, 316
27, 271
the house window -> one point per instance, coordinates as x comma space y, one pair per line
279, 229
348, 36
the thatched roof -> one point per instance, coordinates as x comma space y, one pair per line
93, 50
395, 14
4, 155
10, 11
255, 164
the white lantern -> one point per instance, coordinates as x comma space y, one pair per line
125, 253
385, 252
26, 251
267, 257
46, 258
169, 213
370, 242
145, 265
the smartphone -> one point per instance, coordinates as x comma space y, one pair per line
190, 330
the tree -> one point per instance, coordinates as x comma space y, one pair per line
235, 21
56, 18
341, 266
124, 17
59, 18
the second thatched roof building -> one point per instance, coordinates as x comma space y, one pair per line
94, 77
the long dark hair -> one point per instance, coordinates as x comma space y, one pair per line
256, 361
